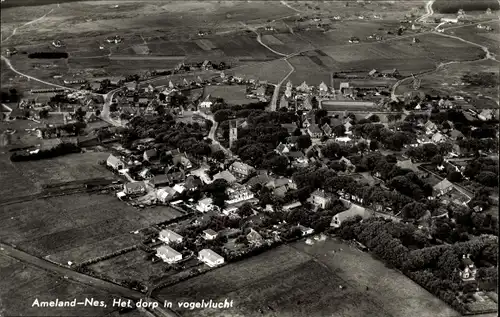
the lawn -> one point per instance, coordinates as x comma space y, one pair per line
301, 280
232, 95
76, 227
131, 265
20, 285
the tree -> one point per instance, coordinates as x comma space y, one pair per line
454, 176
487, 178
297, 132
219, 155
374, 145
304, 142
437, 159
80, 114
222, 115
160, 109
245, 210
320, 113
314, 102
339, 130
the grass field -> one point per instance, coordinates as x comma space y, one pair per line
447, 81
301, 280
132, 265
20, 285
490, 39
272, 71
232, 95
76, 227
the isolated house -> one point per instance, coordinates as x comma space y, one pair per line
305, 230
134, 188
210, 258
115, 163
167, 254
354, 210
240, 169
467, 270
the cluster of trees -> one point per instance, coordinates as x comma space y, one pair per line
59, 150
432, 266
483, 170
223, 111
10, 95
48, 55
390, 139
481, 79
430, 152
187, 138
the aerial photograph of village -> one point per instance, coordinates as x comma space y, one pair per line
167, 158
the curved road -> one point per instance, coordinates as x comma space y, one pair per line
113, 289
213, 130
105, 113
428, 11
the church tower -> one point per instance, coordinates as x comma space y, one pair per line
233, 132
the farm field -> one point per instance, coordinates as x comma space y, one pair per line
232, 95
20, 285
131, 265
18, 184
490, 39
272, 71
448, 81
73, 227
452, 6
301, 280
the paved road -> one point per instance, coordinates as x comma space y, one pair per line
105, 113
78, 277
274, 99
213, 130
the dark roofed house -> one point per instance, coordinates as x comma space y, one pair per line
115, 163
192, 183
150, 154
314, 131
175, 177
160, 180
456, 135
442, 187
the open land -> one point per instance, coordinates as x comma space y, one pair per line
300, 280
232, 95
21, 284
76, 227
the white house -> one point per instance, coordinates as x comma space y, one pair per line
166, 194
115, 163
354, 210
210, 258
205, 205
167, 254
209, 234
168, 236
206, 103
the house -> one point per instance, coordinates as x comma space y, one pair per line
323, 89
261, 179
91, 117
260, 91
282, 149
160, 181
115, 163
167, 254
282, 181
206, 65
168, 236
205, 205
238, 194
192, 183
179, 188
348, 126
254, 237
303, 87
135, 188
283, 102
210, 258
486, 115
467, 270
354, 210
438, 138
280, 191
166, 194
241, 170
150, 154
327, 129
430, 126
456, 135
207, 102
354, 39
175, 176
291, 206
349, 166
408, 164
209, 234
131, 86
373, 73
314, 131
226, 175
297, 157
182, 160
319, 198
442, 187
305, 230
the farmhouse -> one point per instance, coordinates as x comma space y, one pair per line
134, 188
169, 236
305, 230
167, 254
115, 163
354, 210
210, 258
241, 170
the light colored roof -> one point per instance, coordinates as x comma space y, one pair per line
354, 210
210, 255
168, 252
210, 232
135, 185
442, 185
170, 234
165, 192
292, 205
320, 193
113, 160
407, 164
313, 128
225, 175
205, 201
241, 165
